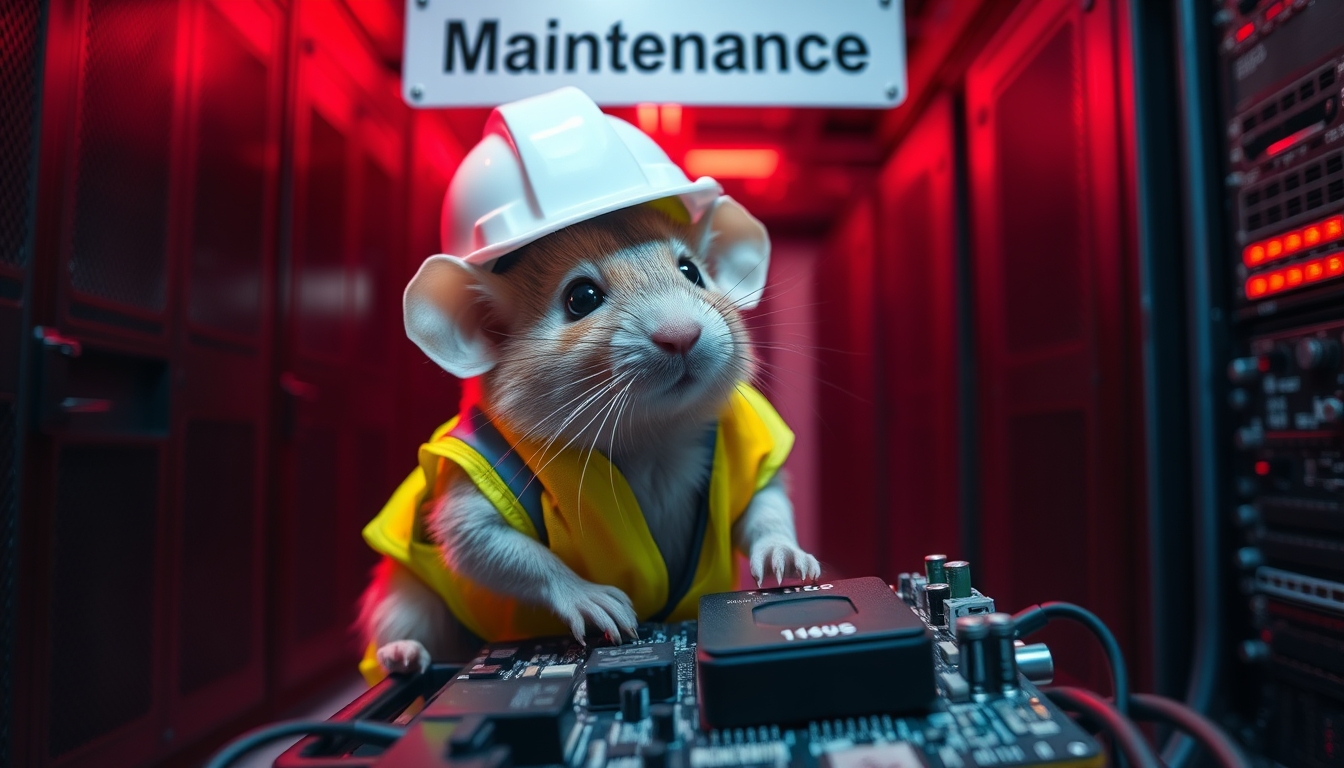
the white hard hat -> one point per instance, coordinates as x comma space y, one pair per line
550, 161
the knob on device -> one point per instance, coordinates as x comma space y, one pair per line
1001, 654
1315, 354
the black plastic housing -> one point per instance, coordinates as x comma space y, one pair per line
793, 654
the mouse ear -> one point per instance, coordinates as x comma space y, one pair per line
445, 313
737, 249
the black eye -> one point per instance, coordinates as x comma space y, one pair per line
583, 298
691, 272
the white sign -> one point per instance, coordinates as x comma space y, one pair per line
823, 53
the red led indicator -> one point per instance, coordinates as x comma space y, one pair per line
1292, 242
1262, 468
1311, 236
1253, 255
1334, 227
1245, 32
1273, 10
1262, 364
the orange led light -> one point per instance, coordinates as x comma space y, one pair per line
1274, 248
756, 163
1334, 227
647, 117
1334, 266
1292, 242
1311, 236
1292, 277
1256, 287
1276, 281
1315, 270
1253, 255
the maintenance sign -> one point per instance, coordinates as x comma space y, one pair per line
815, 53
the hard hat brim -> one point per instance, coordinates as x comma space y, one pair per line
701, 193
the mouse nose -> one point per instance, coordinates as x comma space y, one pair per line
676, 339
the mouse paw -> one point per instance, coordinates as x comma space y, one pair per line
783, 558
599, 606
403, 656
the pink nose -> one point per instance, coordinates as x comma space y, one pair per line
676, 339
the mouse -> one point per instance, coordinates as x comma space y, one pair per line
620, 339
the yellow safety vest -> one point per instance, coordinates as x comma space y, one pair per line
536, 490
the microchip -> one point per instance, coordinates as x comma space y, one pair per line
607, 668
899, 755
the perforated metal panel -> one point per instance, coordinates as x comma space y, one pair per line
19, 55
316, 512
228, 231
215, 609
9, 522
103, 654
124, 135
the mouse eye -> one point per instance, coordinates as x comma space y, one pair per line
691, 271
583, 298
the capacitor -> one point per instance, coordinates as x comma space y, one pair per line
937, 594
958, 578
634, 700
1001, 655
653, 755
933, 568
971, 634
664, 722
905, 585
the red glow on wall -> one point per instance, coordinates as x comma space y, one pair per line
759, 163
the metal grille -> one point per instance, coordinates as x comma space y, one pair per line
315, 557
102, 624
216, 610
125, 131
9, 534
19, 73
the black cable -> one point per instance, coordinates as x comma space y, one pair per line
375, 733
1120, 728
1032, 619
1148, 706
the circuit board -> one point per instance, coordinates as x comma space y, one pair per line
554, 702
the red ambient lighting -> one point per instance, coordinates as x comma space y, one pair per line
732, 163
1289, 243
1245, 32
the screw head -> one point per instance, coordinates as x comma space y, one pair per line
892, 91
422, 3
417, 91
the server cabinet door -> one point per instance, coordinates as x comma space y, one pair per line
1062, 499
22, 27
849, 431
96, 513
223, 342
337, 383
917, 343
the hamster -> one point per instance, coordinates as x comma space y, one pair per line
620, 334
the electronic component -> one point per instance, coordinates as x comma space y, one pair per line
959, 578
537, 710
531, 716
608, 668
933, 569
759, 654
936, 595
